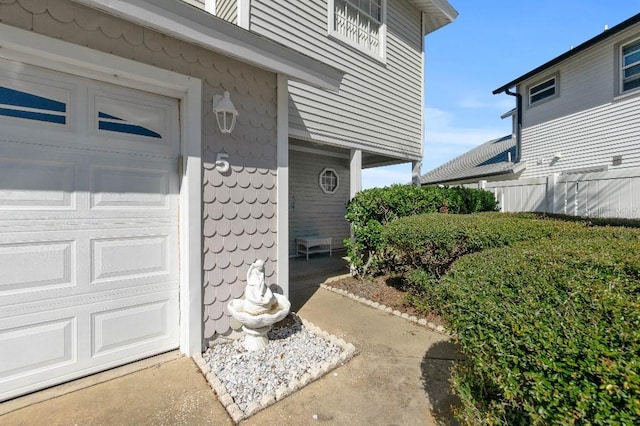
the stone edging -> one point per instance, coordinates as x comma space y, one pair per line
236, 414
421, 321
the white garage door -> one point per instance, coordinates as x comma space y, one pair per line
88, 227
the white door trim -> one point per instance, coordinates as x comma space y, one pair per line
35, 49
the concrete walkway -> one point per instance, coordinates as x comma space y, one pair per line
399, 377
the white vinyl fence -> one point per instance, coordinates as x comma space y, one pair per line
602, 194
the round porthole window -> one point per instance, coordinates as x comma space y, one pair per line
328, 181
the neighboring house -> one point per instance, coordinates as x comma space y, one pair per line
491, 161
128, 219
579, 112
576, 131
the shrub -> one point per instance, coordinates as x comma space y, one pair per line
550, 330
433, 242
370, 209
590, 221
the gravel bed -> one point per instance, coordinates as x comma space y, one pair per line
297, 353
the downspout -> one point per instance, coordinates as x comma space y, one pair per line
518, 97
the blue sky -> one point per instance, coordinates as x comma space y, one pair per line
492, 43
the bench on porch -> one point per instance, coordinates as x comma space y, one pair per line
311, 245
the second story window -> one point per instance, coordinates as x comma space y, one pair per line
360, 23
630, 66
545, 90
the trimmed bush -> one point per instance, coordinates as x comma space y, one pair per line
370, 209
433, 242
591, 221
550, 329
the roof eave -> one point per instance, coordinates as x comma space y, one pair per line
191, 24
436, 14
584, 46
508, 113
517, 168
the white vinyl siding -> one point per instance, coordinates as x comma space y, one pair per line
227, 10
378, 107
313, 212
586, 139
196, 3
589, 124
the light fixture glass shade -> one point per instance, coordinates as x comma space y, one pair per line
226, 113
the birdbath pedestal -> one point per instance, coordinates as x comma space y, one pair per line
259, 309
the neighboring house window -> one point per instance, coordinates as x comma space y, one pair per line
360, 23
545, 90
329, 181
630, 66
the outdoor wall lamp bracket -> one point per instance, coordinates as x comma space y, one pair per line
226, 113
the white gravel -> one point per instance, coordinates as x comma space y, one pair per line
293, 352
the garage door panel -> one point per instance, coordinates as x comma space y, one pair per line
45, 348
56, 347
129, 327
130, 188
126, 258
46, 265
45, 183
31, 184
136, 324
37, 266
114, 259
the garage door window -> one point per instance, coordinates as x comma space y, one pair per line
120, 125
135, 118
28, 106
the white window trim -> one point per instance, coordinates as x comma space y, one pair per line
35, 49
325, 170
556, 86
210, 6
621, 69
382, 55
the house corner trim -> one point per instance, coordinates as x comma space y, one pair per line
282, 183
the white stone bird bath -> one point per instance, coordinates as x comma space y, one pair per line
259, 309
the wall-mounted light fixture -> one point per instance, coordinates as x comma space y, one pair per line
226, 113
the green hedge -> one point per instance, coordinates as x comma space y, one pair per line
550, 329
590, 221
370, 209
433, 242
